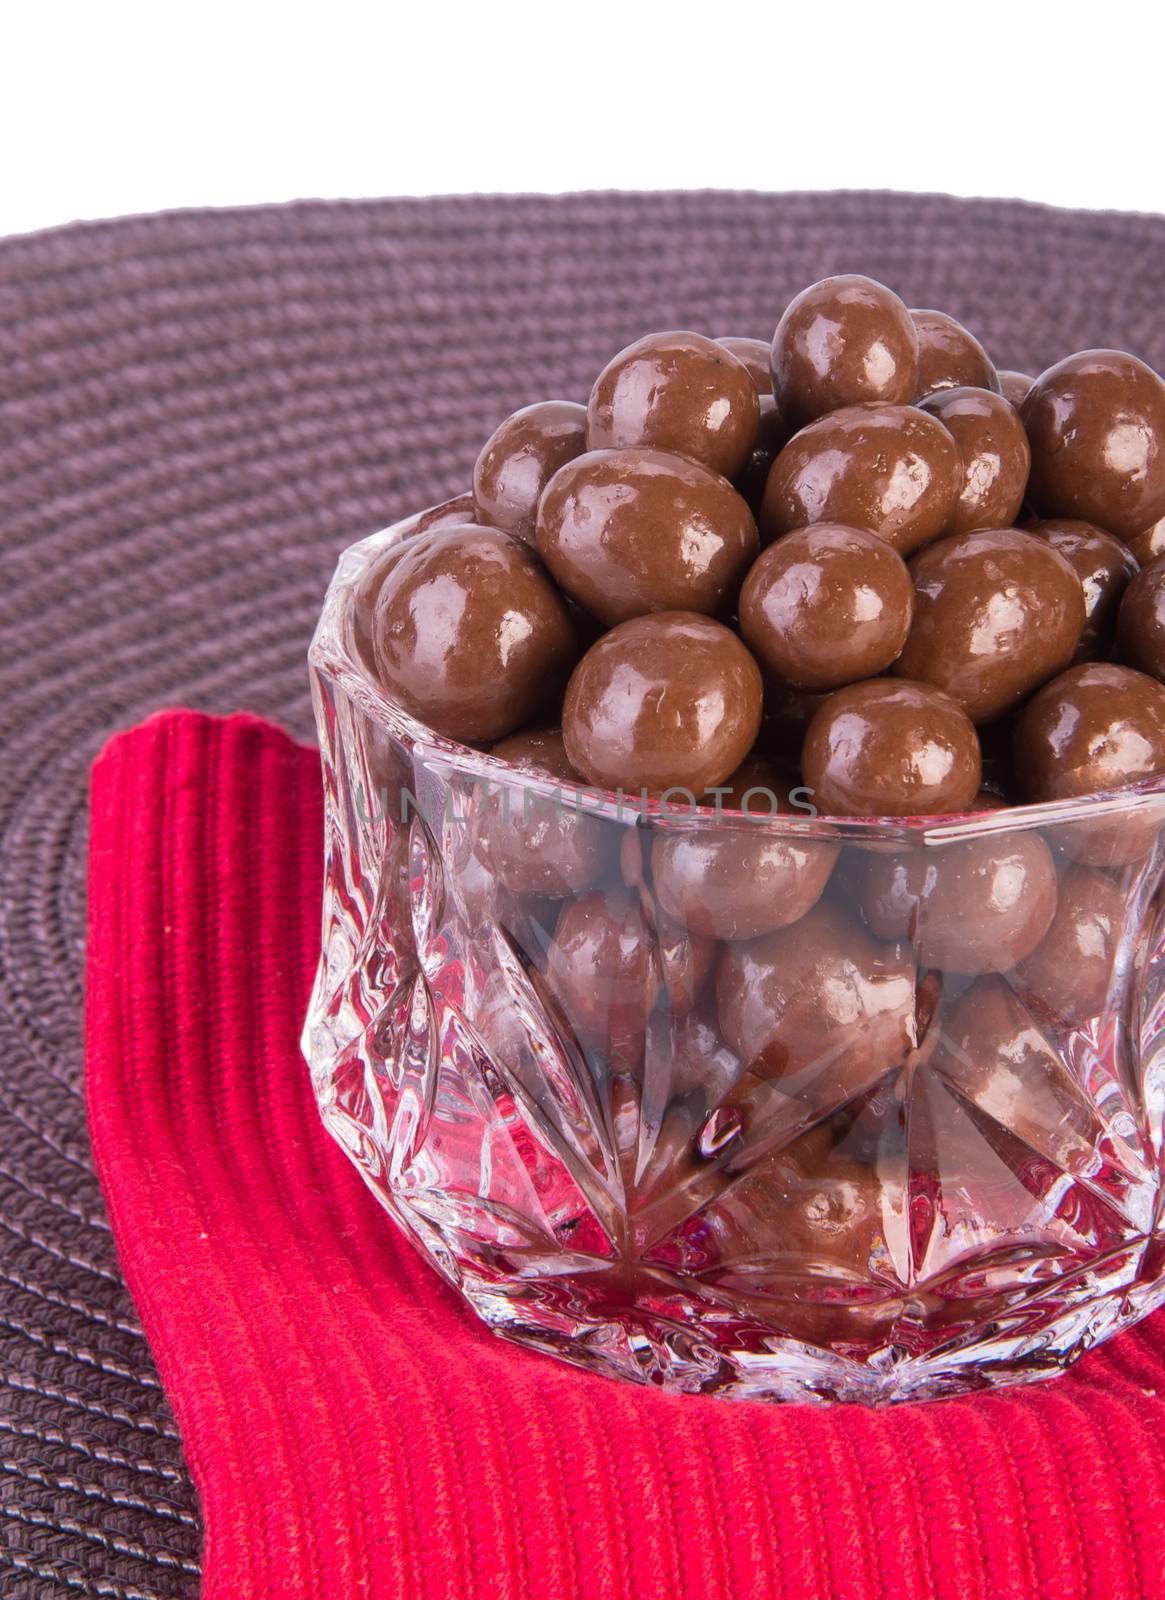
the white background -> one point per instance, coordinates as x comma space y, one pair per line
116, 106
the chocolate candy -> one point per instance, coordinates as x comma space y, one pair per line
1014, 386
626, 532
1140, 633
1149, 543
520, 458
1094, 728
840, 342
1096, 422
755, 355
891, 748
1068, 974
974, 905
678, 392
540, 843
996, 613
949, 357
995, 456
737, 878
819, 1005
671, 700
601, 968
469, 634
825, 606
892, 470
1104, 566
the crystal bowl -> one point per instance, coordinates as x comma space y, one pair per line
731, 1103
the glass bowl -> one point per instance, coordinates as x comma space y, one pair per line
787, 1108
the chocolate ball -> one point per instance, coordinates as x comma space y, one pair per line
1069, 972
974, 905
1014, 386
819, 1005
1149, 543
601, 968
519, 460
995, 456
470, 635
949, 357
1096, 422
739, 877
797, 1218
755, 355
1093, 729
892, 470
1140, 631
996, 613
826, 605
891, 748
840, 342
626, 532
667, 701
1104, 566
535, 842
678, 392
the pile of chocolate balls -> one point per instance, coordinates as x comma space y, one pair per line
907, 582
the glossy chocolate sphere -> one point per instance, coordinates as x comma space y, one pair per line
540, 842
1104, 566
975, 905
1096, 422
678, 392
996, 613
892, 470
891, 748
827, 605
1068, 974
1094, 728
1140, 634
741, 876
756, 356
820, 1004
995, 455
670, 700
626, 532
602, 970
470, 635
1149, 543
520, 458
1014, 386
949, 357
840, 342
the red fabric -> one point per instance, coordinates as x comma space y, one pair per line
354, 1432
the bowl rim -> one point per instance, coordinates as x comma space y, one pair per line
332, 653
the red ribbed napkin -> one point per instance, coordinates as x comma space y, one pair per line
354, 1432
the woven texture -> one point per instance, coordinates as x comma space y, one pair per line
353, 1430
196, 413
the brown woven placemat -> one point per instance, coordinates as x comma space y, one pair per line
197, 411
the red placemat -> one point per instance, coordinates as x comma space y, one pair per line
350, 1427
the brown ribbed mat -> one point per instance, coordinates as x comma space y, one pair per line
197, 411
